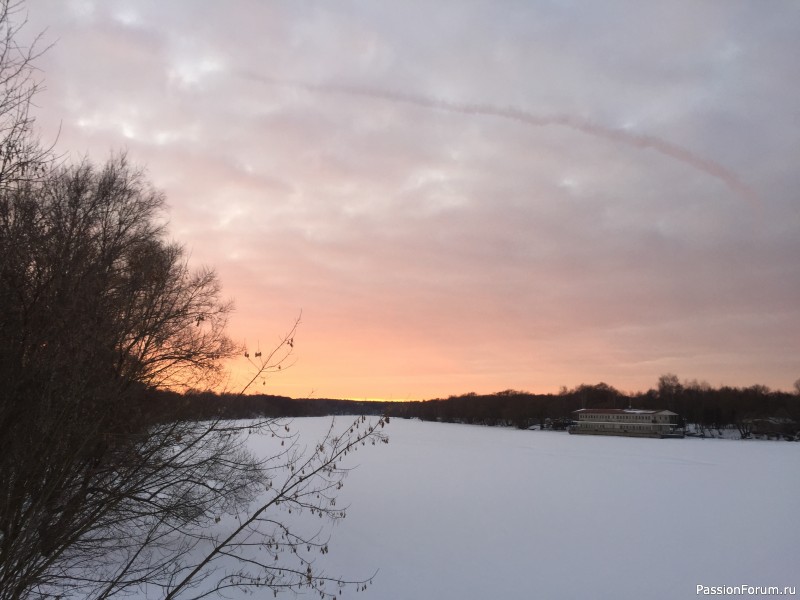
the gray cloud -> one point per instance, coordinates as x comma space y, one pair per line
435, 251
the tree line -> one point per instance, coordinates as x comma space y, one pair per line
695, 403
166, 405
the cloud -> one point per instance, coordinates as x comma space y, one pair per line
634, 213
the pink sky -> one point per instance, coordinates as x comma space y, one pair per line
435, 252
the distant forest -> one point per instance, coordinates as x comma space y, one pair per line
754, 409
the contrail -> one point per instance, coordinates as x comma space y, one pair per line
636, 140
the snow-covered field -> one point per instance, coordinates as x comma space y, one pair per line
475, 513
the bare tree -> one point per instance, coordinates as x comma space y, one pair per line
21, 155
96, 307
669, 388
101, 491
98, 494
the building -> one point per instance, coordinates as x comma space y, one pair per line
632, 422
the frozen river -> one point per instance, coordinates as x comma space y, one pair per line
465, 512
470, 512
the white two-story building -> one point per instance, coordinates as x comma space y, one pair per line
633, 422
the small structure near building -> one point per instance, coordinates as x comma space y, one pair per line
779, 427
631, 422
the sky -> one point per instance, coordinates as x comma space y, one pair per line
462, 196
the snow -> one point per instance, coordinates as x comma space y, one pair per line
471, 512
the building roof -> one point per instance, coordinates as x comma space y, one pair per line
624, 411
